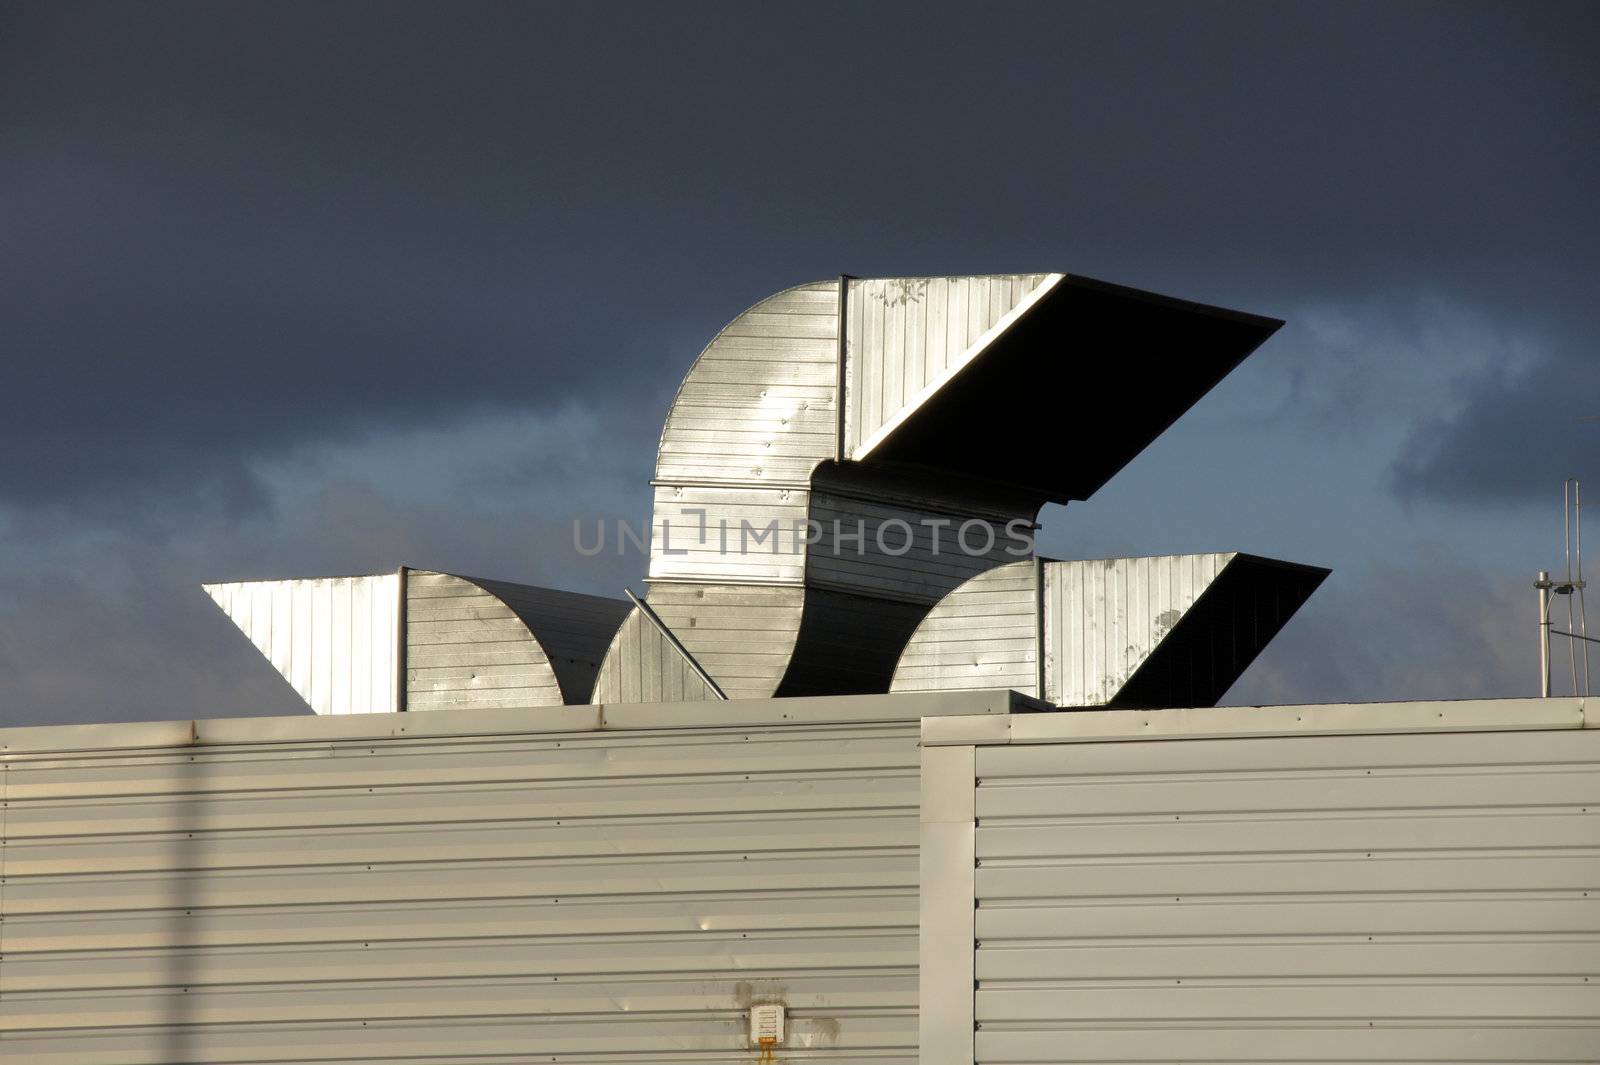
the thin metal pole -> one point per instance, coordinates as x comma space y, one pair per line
1543, 585
1583, 610
1566, 536
677, 645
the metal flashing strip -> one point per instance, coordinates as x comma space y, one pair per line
841, 353
728, 482
947, 913
1240, 722
401, 669
742, 582
309, 728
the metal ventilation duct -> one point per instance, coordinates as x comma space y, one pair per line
841, 458
334, 639
867, 407
1172, 630
343, 643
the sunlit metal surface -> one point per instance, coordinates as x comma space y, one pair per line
343, 642
1170, 630
568, 883
840, 458
954, 404
332, 638
1379, 882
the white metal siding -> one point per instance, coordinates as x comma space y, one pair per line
489, 892
1355, 898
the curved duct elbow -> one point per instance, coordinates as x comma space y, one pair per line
423, 640
842, 459
845, 454
1166, 631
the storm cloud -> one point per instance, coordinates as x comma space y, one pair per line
292, 289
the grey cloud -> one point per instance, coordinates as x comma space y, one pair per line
110, 624
1424, 624
234, 230
270, 270
1516, 435
115, 627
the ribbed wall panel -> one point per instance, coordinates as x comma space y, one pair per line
486, 895
1356, 898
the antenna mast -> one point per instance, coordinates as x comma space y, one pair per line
1577, 630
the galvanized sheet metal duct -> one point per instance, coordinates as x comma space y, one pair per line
343, 642
1169, 630
947, 405
818, 476
332, 638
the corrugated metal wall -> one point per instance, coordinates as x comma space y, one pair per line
1357, 898
506, 886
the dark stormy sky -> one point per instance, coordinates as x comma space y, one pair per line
300, 290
